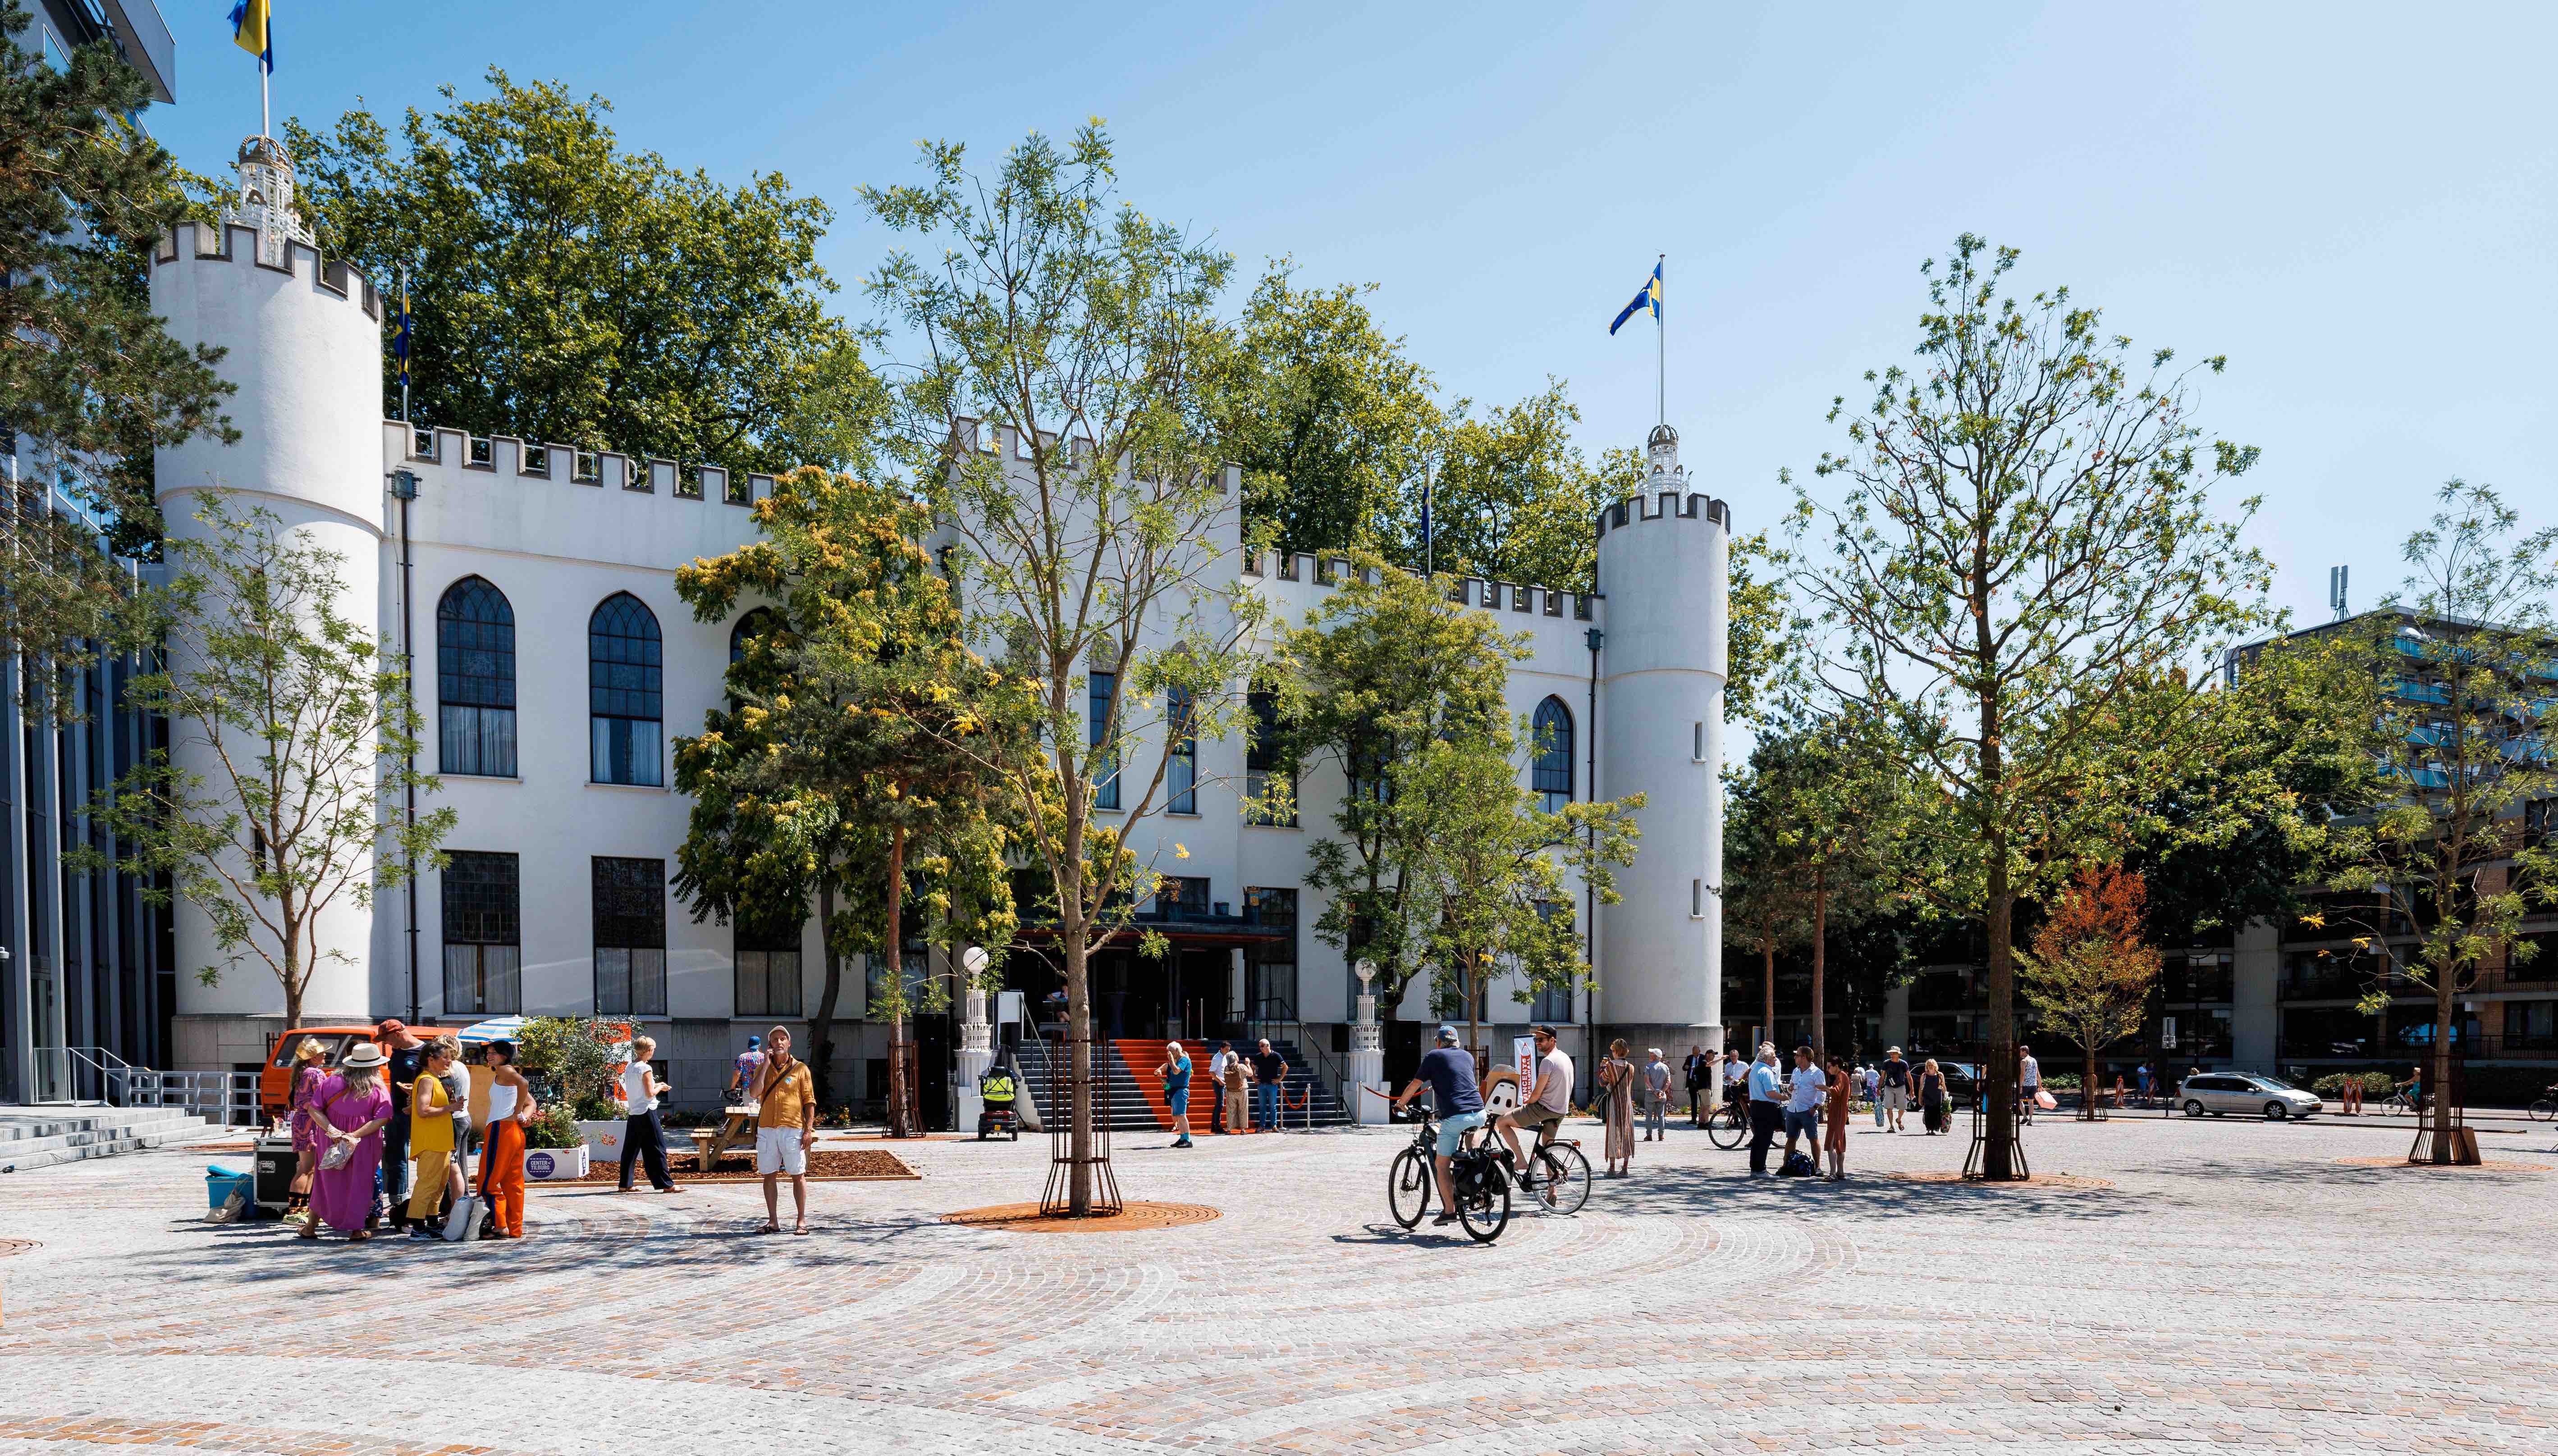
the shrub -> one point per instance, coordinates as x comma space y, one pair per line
2375, 1085
570, 1062
553, 1128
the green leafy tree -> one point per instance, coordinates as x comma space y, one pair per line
2025, 541
1514, 497
2462, 728
1077, 336
565, 289
1826, 800
1384, 666
1328, 418
87, 375
853, 757
309, 729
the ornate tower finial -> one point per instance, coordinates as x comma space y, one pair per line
266, 201
1663, 450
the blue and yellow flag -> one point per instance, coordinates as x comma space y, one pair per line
1649, 298
252, 32
400, 341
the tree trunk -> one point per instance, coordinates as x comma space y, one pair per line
2438, 1115
1998, 1075
821, 1027
1768, 989
2087, 1086
898, 1123
1820, 963
1079, 1000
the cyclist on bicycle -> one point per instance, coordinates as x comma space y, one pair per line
1544, 1109
1450, 1072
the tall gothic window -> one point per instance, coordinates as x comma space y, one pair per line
1269, 794
1099, 689
474, 680
1551, 777
1180, 764
624, 673
630, 937
483, 935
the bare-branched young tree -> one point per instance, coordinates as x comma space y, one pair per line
2025, 539
1051, 403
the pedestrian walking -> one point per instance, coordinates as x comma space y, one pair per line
2028, 1082
1657, 1097
1806, 1087
1218, 1062
501, 1150
354, 1109
1616, 1107
1269, 1072
1931, 1098
1767, 1106
642, 1136
1176, 1071
2349, 1095
1874, 1096
302, 1096
786, 1128
1698, 1070
407, 1055
430, 1116
1238, 1095
1834, 1131
1895, 1085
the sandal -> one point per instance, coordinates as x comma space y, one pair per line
770, 1226
359, 1236
802, 1229
310, 1231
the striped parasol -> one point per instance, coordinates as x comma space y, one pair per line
500, 1028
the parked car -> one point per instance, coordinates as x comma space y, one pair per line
2248, 1093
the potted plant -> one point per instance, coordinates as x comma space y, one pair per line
554, 1147
575, 1065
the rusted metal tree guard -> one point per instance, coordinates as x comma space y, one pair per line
1057, 1200
2455, 1144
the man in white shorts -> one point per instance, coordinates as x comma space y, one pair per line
785, 1125
1544, 1106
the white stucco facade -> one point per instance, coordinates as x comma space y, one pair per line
558, 531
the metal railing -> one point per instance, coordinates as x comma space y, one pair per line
93, 1074
1327, 1073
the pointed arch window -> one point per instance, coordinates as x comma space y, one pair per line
1551, 775
474, 680
624, 680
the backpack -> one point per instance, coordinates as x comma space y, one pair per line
1797, 1166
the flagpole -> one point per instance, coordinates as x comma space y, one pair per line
1661, 334
265, 123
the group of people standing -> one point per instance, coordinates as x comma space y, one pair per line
356, 1127
1233, 1078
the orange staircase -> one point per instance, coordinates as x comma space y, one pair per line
1140, 1056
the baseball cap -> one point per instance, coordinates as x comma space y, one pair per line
1447, 1032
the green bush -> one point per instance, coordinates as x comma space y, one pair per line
2375, 1085
553, 1128
569, 1061
2060, 1082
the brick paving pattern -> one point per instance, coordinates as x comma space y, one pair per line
2237, 1290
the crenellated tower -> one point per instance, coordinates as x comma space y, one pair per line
302, 343
1663, 557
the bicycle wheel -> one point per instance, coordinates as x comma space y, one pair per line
2544, 1110
1726, 1128
1407, 1187
1562, 1180
1486, 1212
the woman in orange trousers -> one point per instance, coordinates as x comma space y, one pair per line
501, 1158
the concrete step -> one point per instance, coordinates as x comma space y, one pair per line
32, 1138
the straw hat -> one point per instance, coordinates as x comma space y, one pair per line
362, 1056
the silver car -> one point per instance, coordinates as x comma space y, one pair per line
2247, 1093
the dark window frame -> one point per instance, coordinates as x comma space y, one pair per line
474, 680
1551, 774
482, 919
629, 905
625, 657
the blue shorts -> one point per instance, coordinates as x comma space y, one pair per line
1457, 1126
1177, 1093
1805, 1123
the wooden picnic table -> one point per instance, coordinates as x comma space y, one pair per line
738, 1130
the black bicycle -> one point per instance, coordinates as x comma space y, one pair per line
1480, 1176
1728, 1126
2546, 1108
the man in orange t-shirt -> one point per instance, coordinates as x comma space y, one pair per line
785, 1127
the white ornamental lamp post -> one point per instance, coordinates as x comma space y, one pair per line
1368, 1052
977, 1038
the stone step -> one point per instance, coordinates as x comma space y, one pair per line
155, 1128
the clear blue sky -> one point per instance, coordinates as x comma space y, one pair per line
2354, 202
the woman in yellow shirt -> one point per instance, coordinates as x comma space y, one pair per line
430, 1141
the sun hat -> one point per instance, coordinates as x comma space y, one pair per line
361, 1055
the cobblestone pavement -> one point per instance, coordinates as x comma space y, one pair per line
2237, 1290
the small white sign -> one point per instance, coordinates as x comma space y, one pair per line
2166, 1033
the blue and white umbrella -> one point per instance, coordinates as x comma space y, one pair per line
500, 1028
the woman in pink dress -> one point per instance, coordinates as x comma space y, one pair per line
354, 1108
301, 1093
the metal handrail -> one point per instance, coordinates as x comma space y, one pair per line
1326, 1070
230, 1097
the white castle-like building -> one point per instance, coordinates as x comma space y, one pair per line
554, 665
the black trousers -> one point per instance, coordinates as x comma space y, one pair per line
395, 1169
1767, 1120
643, 1137
1216, 1119
1696, 1103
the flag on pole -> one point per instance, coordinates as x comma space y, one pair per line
251, 31
1648, 298
407, 329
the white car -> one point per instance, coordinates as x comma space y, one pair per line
2223, 1093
